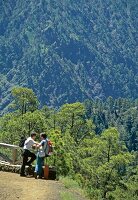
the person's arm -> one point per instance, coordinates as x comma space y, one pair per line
34, 145
40, 144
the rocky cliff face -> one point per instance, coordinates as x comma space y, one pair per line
68, 50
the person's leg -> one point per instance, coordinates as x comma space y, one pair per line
25, 159
40, 164
36, 166
32, 156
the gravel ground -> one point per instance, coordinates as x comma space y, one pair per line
13, 187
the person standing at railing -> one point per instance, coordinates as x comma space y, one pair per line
41, 155
27, 152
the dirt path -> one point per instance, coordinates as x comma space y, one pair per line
13, 187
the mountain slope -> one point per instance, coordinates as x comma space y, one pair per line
69, 50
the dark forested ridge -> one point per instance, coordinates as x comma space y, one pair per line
68, 50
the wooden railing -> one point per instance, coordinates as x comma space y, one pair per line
14, 149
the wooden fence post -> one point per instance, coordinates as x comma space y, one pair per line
14, 155
14, 149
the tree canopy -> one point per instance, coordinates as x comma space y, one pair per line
95, 142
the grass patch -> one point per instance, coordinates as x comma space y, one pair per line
73, 190
69, 183
67, 196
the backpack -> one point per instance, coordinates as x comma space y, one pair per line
48, 148
22, 141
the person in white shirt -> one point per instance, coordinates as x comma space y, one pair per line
29, 143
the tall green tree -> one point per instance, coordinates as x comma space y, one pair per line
24, 99
103, 163
72, 117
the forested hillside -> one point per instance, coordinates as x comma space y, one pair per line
95, 142
68, 50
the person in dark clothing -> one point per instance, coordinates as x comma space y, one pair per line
29, 143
